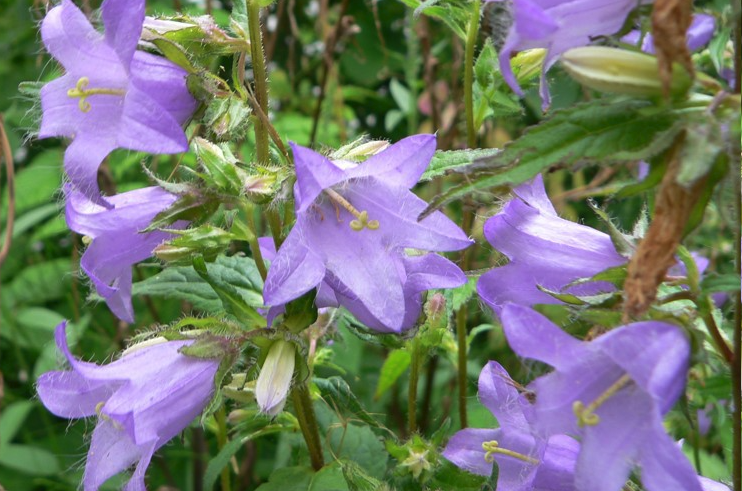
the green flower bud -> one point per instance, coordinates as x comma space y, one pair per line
275, 377
622, 72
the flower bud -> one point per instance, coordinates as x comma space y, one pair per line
275, 377
622, 72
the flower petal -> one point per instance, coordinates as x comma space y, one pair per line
165, 83
501, 397
136, 482
401, 164
69, 395
465, 450
123, 20
111, 452
431, 271
147, 127
295, 270
557, 469
663, 465
314, 173
512, 283
534, 194
531, 335
81, 161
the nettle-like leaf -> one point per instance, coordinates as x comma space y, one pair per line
602, 131
454, 14
445, 161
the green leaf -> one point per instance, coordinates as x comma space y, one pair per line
448, 476
28, 220
40, 283
12, 418
238, 283
401, 96
337, 393
288, 479
444, 161
360, 445
394, 366
29, 460
35, 184
610, 131
357, 478
174, 53
181, 283
720, 283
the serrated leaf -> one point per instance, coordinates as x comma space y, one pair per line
238, 285
444, 161
394, 366
356, 478
337, 393
607, 131
181, 283
40, 283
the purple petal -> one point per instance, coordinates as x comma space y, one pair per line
111, 452
147, 127
711, 485
610, 448
401, 164
314, 173
123, 21
534, 194
81, 161
69, 395
514, 473
431, 271
700, 32
267, 248
136, 482
465, 450
531, 335
499, 394
654, 354
165, 83
397, 210
513, 283
56, 107
531, 21
295, 270
557, 469
663, 465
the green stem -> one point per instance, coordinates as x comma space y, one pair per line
257, 255
412, 67
260, 80
412, 392
736, 366
308, 424
221, 437
471, 43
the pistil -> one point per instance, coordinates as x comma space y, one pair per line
586, 414
82, 92
493, 447
361, 220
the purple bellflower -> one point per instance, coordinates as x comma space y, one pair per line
526, 461
111, 95
699, 34
142, 401
557, 26
543, 250
117, 243
611, 393
353, 223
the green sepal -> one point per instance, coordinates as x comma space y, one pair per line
190, 207
175, 53
227, 118
300, 313
205, 240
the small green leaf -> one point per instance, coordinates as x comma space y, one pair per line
401, 96
174, 53
12, 419
337, 393
444, 161
394, 366
181, 283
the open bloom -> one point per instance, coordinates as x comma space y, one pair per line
353, 223
142, 401
111, 95
526, 460
117, 243
557, 27
543, 250
611, 393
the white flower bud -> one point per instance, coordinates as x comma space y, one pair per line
275, 377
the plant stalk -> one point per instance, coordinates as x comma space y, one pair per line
471, 44
736, 366
221, 437
308, 424
412, 392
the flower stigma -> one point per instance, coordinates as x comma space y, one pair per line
361, 220
101, 415
82, 92
492, 447
586, 414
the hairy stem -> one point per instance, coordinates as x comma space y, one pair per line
412, 390
308, 423
221, 437
7, 155
471, 43
261, 82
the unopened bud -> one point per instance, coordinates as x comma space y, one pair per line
275, 377
367, 149
622, 72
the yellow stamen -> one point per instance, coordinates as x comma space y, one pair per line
101, 415
586, 414
81, 91
361, 220
493, 447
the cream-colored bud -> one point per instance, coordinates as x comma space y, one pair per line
367, 149
621, 72
275, 377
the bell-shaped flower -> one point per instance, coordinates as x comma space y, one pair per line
557, 27
142, 400
543, 250
111, 95
611, 393
526, 461
115, 241
353, 224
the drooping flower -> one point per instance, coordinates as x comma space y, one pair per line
117, 243
142, 401
699, 34
557, 27
526, 461
611, 393
111, 95
543, 250
353, 223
